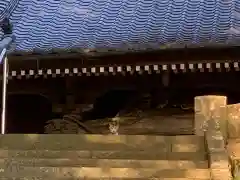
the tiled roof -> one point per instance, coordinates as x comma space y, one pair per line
120, 24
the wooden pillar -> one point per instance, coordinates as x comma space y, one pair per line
206, 107
166, 79
70, 98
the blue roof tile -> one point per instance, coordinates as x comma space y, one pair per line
93, 24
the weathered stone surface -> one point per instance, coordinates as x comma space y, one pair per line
217, 154
218, 122
218, 157
214, 141
210, 119
219, 160
96, 142
102, 157
45, 178
83, 142
188, 147
110, 154
205, 109
67, 172
186, 156
220, 174
114, 163
233, 148
235, 166
187, 144
223, 121
147, 155
233, 116
234, 156
186, 139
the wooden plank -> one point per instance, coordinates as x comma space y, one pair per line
70, 60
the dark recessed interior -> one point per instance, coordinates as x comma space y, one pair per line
27, 113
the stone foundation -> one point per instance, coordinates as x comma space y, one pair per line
233, 116
210, 113
205, 108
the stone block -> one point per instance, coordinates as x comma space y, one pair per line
95, 154
233, 148
83, 142
234, 156
235, 167
201, 156
214, 141
113, 163
233, 116
187, 148
99, 173
207, 107
186, 139
221, 174
218, 121
223, 120
187, 144
219, 160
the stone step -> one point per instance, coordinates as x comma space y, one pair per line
46, 178
90, 172
99, 154
101, 142
113, 163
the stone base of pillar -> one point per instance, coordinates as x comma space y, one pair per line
205, 108
233, 117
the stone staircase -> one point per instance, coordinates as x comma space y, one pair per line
92, 157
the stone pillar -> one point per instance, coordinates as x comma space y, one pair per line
211, 112
205, 108
233, 117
